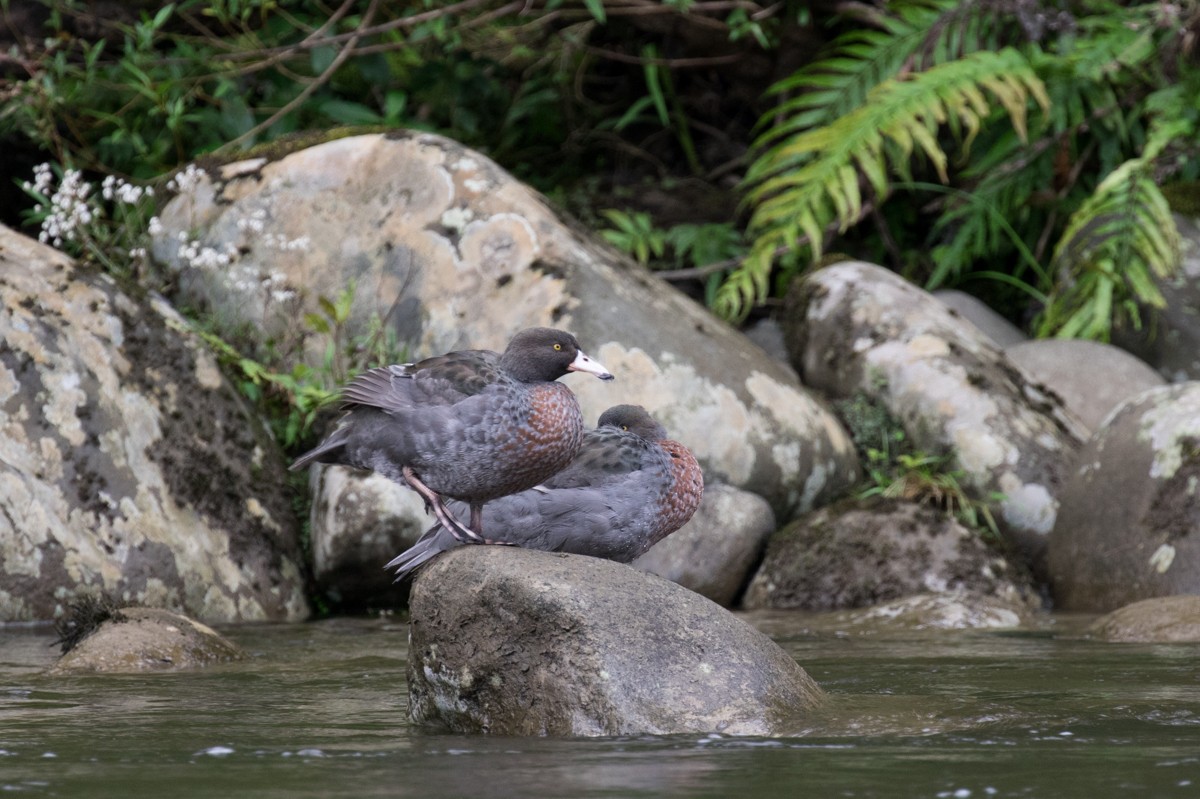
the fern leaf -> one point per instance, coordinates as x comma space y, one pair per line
809, 182
855, 63
1125, 221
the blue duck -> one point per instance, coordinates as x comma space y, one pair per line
628, 488
471, 425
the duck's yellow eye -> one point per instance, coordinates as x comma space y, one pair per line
624, 427
557, 347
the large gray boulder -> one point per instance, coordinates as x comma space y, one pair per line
855, 328
451, 252
1129, 525
861, 553
714, 553
128, 463
443, 250
518, 642
974, 310
1091, 378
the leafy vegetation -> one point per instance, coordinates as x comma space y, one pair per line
1027, 148
1113, 89
896, 469
294, 399
1017, 149
704, 251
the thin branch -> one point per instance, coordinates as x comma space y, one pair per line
674, 63
701, 271
308, 90
386, 27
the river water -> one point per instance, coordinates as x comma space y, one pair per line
319, 710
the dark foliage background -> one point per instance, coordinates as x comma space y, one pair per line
1014, 148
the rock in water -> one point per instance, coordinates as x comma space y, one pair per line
520, 642
1129, 528
135, 639
1158, 620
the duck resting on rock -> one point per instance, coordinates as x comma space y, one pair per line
627, 488
471, 425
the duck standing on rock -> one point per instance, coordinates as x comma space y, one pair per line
628, 488
471, 425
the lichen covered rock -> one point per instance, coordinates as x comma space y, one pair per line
855, 328
128, 464
856, 554
1129, 527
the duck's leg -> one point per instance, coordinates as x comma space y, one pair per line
477, 526
461, 533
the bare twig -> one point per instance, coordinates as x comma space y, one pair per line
400, 23
308, 90
673, 63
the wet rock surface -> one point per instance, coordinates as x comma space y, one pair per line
954, 611
1160, 620
135, 639
519, 642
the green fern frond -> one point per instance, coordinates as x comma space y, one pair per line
855, 63
1115, 244
913, 35
1119, 38
811, 182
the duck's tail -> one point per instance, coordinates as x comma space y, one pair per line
328, 451
435, 541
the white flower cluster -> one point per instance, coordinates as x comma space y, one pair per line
43, 178
278, 241
69, 208
247, 279
256, 223
192, 254
239, 277
187, 179
114, 188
